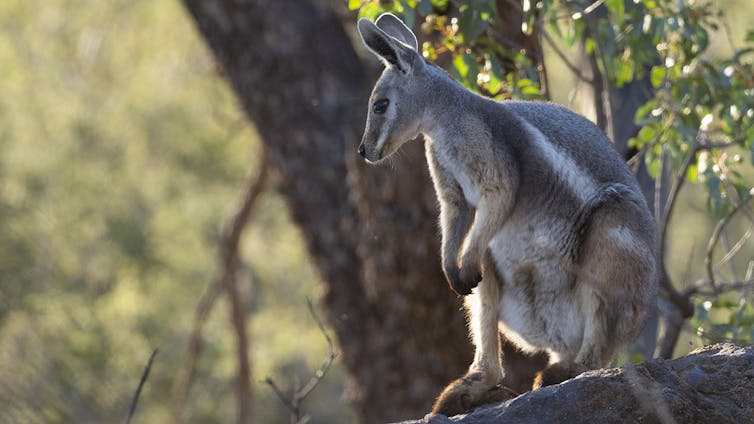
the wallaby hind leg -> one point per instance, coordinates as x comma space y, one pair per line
614, 297
520, 368
483, 383
556, 374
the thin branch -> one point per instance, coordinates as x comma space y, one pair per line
328, 360
230, 256
716, 236
633, 161
229, 247
288, 403
682, 302
723, 18
293, 402
733, 251
725, 241
708, 145
721, 287
185, 379
571, 67
743, 295
580, 13
701, 143
659, 183
589, 9
238, 321
143, 380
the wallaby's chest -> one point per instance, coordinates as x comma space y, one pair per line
452, 169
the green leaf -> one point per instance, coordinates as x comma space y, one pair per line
657, 76
641, 115
424, 8
440, 5
466, 69
624, 72
496, 76
750, 36
354, 4
646, 135
530, 91
653, 165
701, 313
617, 10
590, 45
471, 23
693, 173
372, 10
405, 11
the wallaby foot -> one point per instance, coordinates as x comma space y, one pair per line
469, 392
556, 374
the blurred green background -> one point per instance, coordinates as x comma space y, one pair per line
122, 153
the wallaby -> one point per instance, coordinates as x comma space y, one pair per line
538, 212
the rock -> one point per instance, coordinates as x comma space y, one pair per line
713, 384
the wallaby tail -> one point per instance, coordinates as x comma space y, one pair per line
611, 193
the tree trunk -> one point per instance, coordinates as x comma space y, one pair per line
371, 232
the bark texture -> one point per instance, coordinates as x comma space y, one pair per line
714, 385
371, 232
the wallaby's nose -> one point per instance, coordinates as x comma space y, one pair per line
362, 150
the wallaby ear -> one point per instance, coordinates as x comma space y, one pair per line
388, 48
395, 28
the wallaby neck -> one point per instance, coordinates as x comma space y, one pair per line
449, 110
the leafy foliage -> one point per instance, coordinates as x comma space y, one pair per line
477, 58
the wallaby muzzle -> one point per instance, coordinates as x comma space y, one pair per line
368, 148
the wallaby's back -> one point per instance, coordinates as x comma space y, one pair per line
585, 143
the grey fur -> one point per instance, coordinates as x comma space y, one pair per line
539, 188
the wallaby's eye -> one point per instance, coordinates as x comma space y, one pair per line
380, 106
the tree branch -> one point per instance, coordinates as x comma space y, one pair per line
293, 403
720, 287
716, 237
229, 257
681, 302
143, 380
571, 67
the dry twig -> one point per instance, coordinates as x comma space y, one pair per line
230, 259
143, 380
293, 402
716, 236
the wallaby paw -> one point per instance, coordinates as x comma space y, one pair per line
469, 277
469, 392
457, 286
454, 281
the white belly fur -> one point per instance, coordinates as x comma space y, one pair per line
534, 313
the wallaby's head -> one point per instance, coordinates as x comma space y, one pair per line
396, 103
